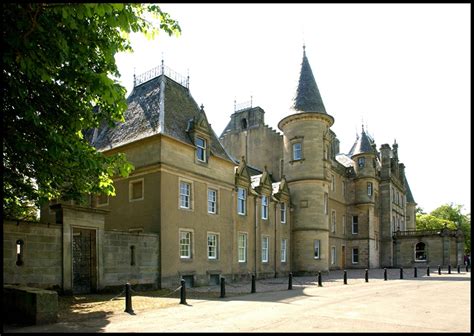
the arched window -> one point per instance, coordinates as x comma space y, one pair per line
420, 252
244, 123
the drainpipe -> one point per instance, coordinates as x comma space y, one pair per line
256, 221
275, 244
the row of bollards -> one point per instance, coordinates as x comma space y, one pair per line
128, 289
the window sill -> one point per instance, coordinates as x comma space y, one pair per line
295, 161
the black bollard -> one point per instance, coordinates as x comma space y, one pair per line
385, 274
449, 269
401, 272
428, 271
128, 299
290, 281
366, 275
415, 272
183, 292
253, 284
222, 287
320, 280
439, 270
345, 277
459, 268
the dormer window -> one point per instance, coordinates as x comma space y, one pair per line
361, 162
201, 149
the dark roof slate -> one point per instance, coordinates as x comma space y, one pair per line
363, 144
308, 98
143, 117
410, 198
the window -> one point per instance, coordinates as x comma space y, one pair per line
244, 123
282, 212
333, 221
355, 224
212, 245
242, 247
420, 252
361, 162
343, 224
265, 249
333, 183
283, 250
355, 255
264, 207
211, 201
333, 255
201, 149
19, 252
317, 246
326, 203
132, 255
369, 189
185, 244
185, 195
102, 200
297, 152
136, 190
241, 201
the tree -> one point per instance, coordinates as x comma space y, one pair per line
430, 223
58, 70
454, 213
452, 216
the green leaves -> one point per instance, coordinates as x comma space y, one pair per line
58, 62
450, 215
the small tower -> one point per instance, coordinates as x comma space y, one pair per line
366, 198
305, 140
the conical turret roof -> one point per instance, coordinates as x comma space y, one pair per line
308, 98
363, 144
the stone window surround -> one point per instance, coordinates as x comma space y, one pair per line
191, 196
130, 190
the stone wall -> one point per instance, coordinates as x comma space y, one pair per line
42, 258
41, 254
441, 249
121, 267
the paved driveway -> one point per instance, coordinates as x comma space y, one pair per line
439, 303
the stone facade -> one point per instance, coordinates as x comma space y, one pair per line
253, 201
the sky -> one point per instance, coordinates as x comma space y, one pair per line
401, 70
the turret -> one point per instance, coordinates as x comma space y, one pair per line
306, 142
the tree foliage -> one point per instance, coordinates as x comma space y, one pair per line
58, 71
448, 214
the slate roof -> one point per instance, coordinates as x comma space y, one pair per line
345, 160
410, 198
144, 118
308, 98
363, 144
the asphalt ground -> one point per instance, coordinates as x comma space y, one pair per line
435, 303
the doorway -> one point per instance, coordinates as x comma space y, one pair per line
84, 261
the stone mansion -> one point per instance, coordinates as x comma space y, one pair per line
251, 201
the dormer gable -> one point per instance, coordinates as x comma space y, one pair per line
242, 175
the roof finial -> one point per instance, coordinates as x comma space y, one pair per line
251, 100
162, 64
235, 104
134, 77
304, 50
363, 128
202, 108
187, 80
